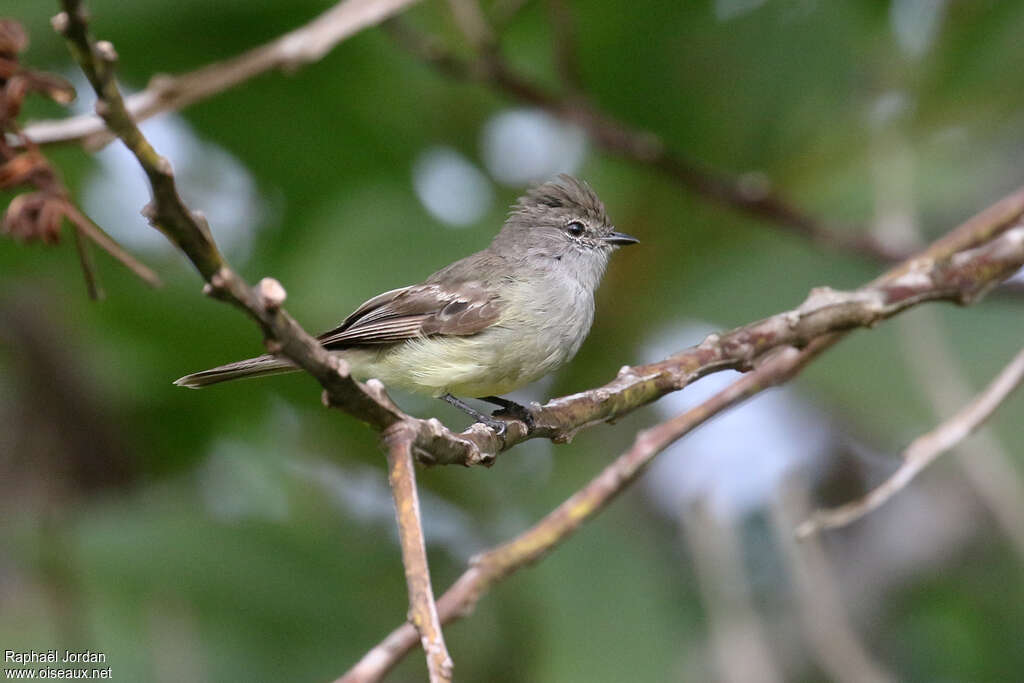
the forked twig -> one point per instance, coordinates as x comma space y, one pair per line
923, 451
422, 609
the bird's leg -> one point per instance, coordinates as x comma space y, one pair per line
497, 425
512, 409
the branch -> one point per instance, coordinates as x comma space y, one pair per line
310, 42
294, 49
498, 563
188, 230
976, 246
88, 228
748, 194
40, 214
422, 610
924, 450
92, 285
985, 463
961, 267
939, 273
953, 269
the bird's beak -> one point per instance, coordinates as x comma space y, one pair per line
620, 238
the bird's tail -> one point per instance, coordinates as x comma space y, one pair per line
251, 367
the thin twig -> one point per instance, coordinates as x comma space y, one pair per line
924, 450
422, 609
98, 235
986, 466
301, 46
984, 462
92, 285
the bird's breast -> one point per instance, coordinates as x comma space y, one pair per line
543, 325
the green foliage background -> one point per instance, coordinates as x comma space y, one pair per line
205, 540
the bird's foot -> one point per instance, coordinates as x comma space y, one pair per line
499, 426
516, 411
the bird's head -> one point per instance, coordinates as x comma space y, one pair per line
565, 221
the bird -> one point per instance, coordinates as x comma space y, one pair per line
487, 324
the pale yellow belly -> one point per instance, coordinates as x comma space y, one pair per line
528, 342
493, 363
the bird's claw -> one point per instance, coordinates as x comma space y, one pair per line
499, 426
518, 412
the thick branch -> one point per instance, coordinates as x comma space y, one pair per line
940, 273
167, 211
422, 609
924, 450
288, 52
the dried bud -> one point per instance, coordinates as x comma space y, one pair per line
16, 81
13, 38
55, 87
35, 216
12, 94
22, 169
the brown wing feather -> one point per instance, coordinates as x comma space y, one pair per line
371, 309
418, 311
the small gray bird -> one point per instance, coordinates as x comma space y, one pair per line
487, 324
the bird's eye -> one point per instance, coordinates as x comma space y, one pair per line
575, 228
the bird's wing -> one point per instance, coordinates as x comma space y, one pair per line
417, 311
